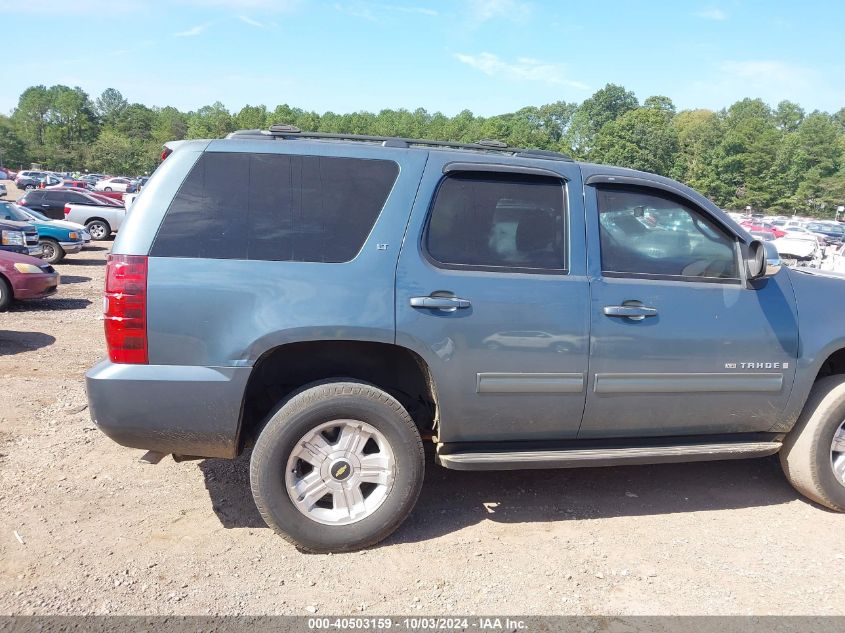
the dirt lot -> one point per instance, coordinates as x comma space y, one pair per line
86, 528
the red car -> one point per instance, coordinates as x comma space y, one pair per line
25, 277
771, 228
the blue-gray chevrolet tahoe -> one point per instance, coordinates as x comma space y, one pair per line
332, 301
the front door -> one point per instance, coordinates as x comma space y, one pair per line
681, 345
491, 292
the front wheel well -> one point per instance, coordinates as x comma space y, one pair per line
834, 364
283, 370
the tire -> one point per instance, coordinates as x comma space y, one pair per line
6, 294
292, 428
28, 187
107, 189
806, 456
53, 252
98, 229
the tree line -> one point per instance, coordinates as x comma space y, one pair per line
777, 159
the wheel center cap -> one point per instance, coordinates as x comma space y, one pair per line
341, 470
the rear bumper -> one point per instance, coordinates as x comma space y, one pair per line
168, 408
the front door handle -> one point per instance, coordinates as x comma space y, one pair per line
440, 303
635, 313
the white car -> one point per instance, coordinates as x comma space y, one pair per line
113, 184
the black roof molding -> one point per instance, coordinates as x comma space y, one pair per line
288, 132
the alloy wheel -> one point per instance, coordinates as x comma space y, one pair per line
340, 472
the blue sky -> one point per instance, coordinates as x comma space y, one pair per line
488, 56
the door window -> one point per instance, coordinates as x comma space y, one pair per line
650, 235
498, 221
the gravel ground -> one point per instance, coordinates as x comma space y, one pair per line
88, 529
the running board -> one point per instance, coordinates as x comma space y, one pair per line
584, 457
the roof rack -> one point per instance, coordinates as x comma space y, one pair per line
284, 131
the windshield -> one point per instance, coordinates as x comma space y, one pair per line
11, 211
36, 215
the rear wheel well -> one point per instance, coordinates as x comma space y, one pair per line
285, 369
835, 364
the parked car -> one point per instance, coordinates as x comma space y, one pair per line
73, 226
123, 185
27, 183
114, 196
763, 226
29, 174
799, 249
100, 221
56, 240
20, 237
834, 233
330, 309
51, 202
23, 277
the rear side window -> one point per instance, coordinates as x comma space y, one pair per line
58, 197
504, 221
275, 207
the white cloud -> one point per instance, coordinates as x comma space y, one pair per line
263, 5
523, 69
484, 10
193, 31
712, 14
251, 22
416, 10
357, 10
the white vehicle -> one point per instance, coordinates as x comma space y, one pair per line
799, 248
113, 184
129, 199
100, 221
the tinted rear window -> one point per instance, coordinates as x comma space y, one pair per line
275, 207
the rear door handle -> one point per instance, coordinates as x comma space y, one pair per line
440, 303
635, 313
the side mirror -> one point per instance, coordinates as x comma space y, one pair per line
763, 260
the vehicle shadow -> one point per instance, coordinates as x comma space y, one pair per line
85, 262
74, 279
12, 342
452, 500
95, 248
50, 303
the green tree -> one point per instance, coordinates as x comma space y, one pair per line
788, 116
252, 118
746, 153
640, 139
699, 132
606, 105
212, 121
110, 106
12, 148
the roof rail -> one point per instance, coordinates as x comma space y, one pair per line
284, 131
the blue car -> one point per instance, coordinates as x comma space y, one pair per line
57, 237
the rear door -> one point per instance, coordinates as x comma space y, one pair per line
491, 292
681, 343
53, 205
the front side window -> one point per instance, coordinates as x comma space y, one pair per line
498, 221
644, 233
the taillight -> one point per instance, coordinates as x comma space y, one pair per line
125, 309
67, 209
166, 152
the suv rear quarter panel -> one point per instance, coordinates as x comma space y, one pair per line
228, 312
